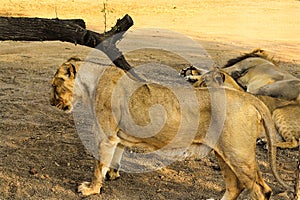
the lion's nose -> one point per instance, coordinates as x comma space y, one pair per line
52, 102
66, 108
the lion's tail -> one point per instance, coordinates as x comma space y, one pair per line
270, 130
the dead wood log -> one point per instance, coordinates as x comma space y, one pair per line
37, 29
74, 31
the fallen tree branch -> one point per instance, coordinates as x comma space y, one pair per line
74, 31
38, 29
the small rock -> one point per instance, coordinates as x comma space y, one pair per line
216, 167
33, 171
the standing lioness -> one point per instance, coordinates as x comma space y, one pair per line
234, 148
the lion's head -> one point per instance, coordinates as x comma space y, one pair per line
213, 78
62, 87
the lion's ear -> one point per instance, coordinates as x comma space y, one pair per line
71, 70
220, 78
223, 77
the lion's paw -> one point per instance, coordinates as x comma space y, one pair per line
191, 78
112, 174
87, 189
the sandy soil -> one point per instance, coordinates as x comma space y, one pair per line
42, 156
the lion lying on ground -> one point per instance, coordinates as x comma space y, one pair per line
235, 147
256, 73
214, 78
285, 113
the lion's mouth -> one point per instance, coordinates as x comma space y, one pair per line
62, 106
66, 108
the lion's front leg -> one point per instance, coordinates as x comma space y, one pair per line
193, 78
113, 172
107, 150
89, 188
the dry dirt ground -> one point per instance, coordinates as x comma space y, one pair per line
41, 154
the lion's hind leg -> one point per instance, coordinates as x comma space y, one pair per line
233, 186
241, 172
107, 149
287, 120
293, 143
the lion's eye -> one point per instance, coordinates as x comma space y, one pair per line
58, 81
206, 79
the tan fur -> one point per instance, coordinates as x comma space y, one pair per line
288, 119
237, 161
287, 123
212, 79
62, 89
259, 75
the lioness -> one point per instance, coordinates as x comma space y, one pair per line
235, 147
